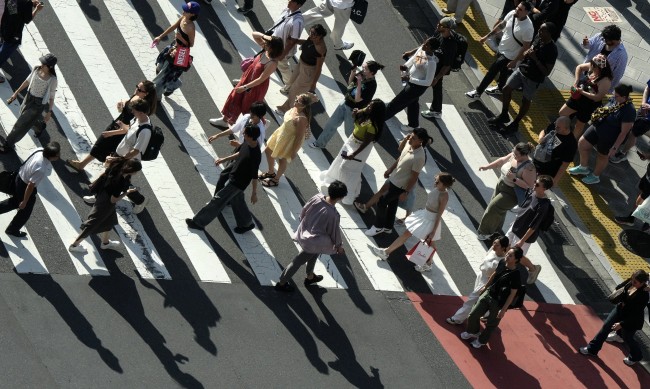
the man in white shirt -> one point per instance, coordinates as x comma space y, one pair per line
31, 173
256, 117
341, 10
288, 28
517, 36
132, 145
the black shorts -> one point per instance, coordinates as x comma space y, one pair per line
584, 107
641, 126
603, 140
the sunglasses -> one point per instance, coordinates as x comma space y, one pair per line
137, 89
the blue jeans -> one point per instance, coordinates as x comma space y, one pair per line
342, 114
628, 336
229, 194
6, 49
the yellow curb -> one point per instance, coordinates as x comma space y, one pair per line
592, 209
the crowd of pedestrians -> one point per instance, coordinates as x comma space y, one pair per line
526, 55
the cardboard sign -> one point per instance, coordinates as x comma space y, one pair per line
602, 14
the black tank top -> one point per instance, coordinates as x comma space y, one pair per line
309, 53
184, 35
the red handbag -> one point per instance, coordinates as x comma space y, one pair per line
182, 57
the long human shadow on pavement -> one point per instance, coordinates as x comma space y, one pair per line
121, 293
46, 287
331, 333
190, 301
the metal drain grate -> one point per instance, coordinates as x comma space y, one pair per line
558, 235
493, 142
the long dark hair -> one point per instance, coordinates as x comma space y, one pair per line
376, 113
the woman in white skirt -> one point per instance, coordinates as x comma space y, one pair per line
424, 224
487, 267
347, 166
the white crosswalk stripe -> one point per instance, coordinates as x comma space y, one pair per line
192, 135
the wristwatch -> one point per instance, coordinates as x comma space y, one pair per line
514, 179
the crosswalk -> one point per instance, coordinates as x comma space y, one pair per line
179, 181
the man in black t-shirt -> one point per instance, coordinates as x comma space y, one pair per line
445, 54
537, 64
242, 172
496, 297
17, 13
564, 149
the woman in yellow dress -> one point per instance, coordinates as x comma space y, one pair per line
288, 138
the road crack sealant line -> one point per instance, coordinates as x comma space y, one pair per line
594, 215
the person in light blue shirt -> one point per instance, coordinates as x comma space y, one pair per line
608, 42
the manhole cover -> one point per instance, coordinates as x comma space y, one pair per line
493, 142
636, 242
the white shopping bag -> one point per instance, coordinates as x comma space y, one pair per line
642, 212
420, 253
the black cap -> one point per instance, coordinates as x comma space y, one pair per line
48, 59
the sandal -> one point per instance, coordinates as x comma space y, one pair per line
266, 175
361, 207
269, 183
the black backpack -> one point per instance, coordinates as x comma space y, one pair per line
155, 142
461, 50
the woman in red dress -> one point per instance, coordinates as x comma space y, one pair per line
254, 81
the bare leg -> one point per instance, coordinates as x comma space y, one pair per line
270, 160
399, 242
584, 148
601, 163
282, 167
566, 111
579, 129
89, 158
527, 263
375, 198
104, 237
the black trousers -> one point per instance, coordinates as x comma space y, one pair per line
407, 98
387, 207
14, 201
500, 67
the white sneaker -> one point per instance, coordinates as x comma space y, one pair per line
78, 249
431, 114
614, 337
219, 122
423, 268
372, 231
90, 199
285, 89
452, 321
345, 46
483, 236
473, 94
381, 253
137, 208
476, 343
493, 90
111, 245
532, 275
235, 81
314, 145
467, 336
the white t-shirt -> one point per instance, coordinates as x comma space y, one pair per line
35, 169
342, 4
487, 267
238, 129
133, 141
523, 31
290, 28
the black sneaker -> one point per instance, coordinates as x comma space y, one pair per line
625, 220
314, 280
510, 128
287, 288
241, 230
192, 224
501, 119
21, 234
645, 228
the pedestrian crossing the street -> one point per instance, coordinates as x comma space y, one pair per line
157, 244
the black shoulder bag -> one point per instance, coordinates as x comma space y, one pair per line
8, 177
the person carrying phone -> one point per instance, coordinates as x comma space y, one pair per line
109, 188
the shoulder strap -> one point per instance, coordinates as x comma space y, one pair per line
284, 18
28, 158
146, 125
521, 165
514, 18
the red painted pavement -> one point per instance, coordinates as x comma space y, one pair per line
535, 347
